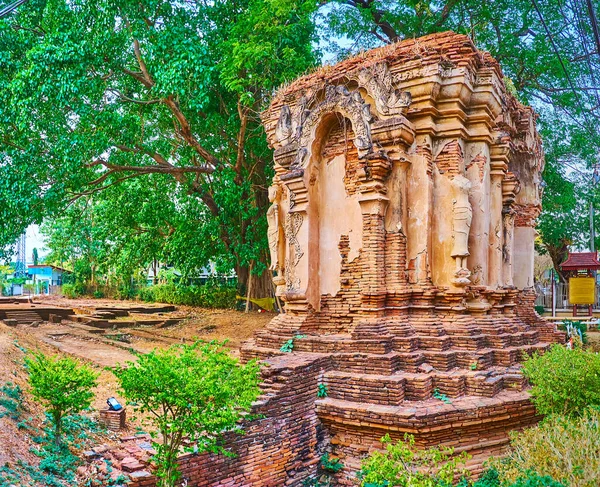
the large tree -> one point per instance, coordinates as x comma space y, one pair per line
96, 93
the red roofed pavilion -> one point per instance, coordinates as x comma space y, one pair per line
582, 290
579, 261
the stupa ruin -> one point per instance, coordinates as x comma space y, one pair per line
402, 238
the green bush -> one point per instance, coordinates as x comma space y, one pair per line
205, 296
402, 464
63, 385
11, 400
561, 448
539, 309
71, 291
492, 478
193, 393
564, 381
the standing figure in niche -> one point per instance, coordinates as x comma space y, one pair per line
274, 227
462, 215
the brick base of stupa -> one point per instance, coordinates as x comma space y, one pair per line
446, 374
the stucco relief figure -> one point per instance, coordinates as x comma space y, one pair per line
275, 227
462, 215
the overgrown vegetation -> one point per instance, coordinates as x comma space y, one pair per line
193, 392
11, 400
566, 449
62, 384
210, 295
565, 382
402, 464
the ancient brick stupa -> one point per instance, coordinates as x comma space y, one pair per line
402, 228
402, 234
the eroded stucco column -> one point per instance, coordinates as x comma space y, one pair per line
420, 205
498, 169
524, 248
477, 164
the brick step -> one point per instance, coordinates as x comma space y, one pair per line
431, 415
404, 387
23, 317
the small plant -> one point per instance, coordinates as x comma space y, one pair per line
539, 309
288, 346
331, 464
442, 397
11, 399
322, 390
62, 384
473, 366
402, 464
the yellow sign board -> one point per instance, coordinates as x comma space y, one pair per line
582, 290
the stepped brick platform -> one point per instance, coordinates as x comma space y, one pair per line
27, 312
401, 234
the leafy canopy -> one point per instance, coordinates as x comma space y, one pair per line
97, 93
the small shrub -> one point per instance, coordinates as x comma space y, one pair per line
564, 381
69, 291
194, 392
62, 384
288, 346
322, 390
442, 397
539, 309
11, 399
331, 464
402, 464
564, 449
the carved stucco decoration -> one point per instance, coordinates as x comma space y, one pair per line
348, 104
293, 222
378, 83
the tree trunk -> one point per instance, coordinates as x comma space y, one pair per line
262, 285
558, 255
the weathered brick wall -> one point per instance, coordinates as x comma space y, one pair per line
282, 448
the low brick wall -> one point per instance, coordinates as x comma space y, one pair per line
281, 448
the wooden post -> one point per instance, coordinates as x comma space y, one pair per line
249, 287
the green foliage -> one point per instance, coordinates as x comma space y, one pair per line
442, 397
57, 463
210, 295
152, 102
322, 390
565, 382
197, 392
539, 309
560, 448
288, 346
491, 478
401, 464
331, 464
62, 384
70, 291
11, 399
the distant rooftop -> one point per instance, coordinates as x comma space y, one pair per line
581, 261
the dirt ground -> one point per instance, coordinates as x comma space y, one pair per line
103, 350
